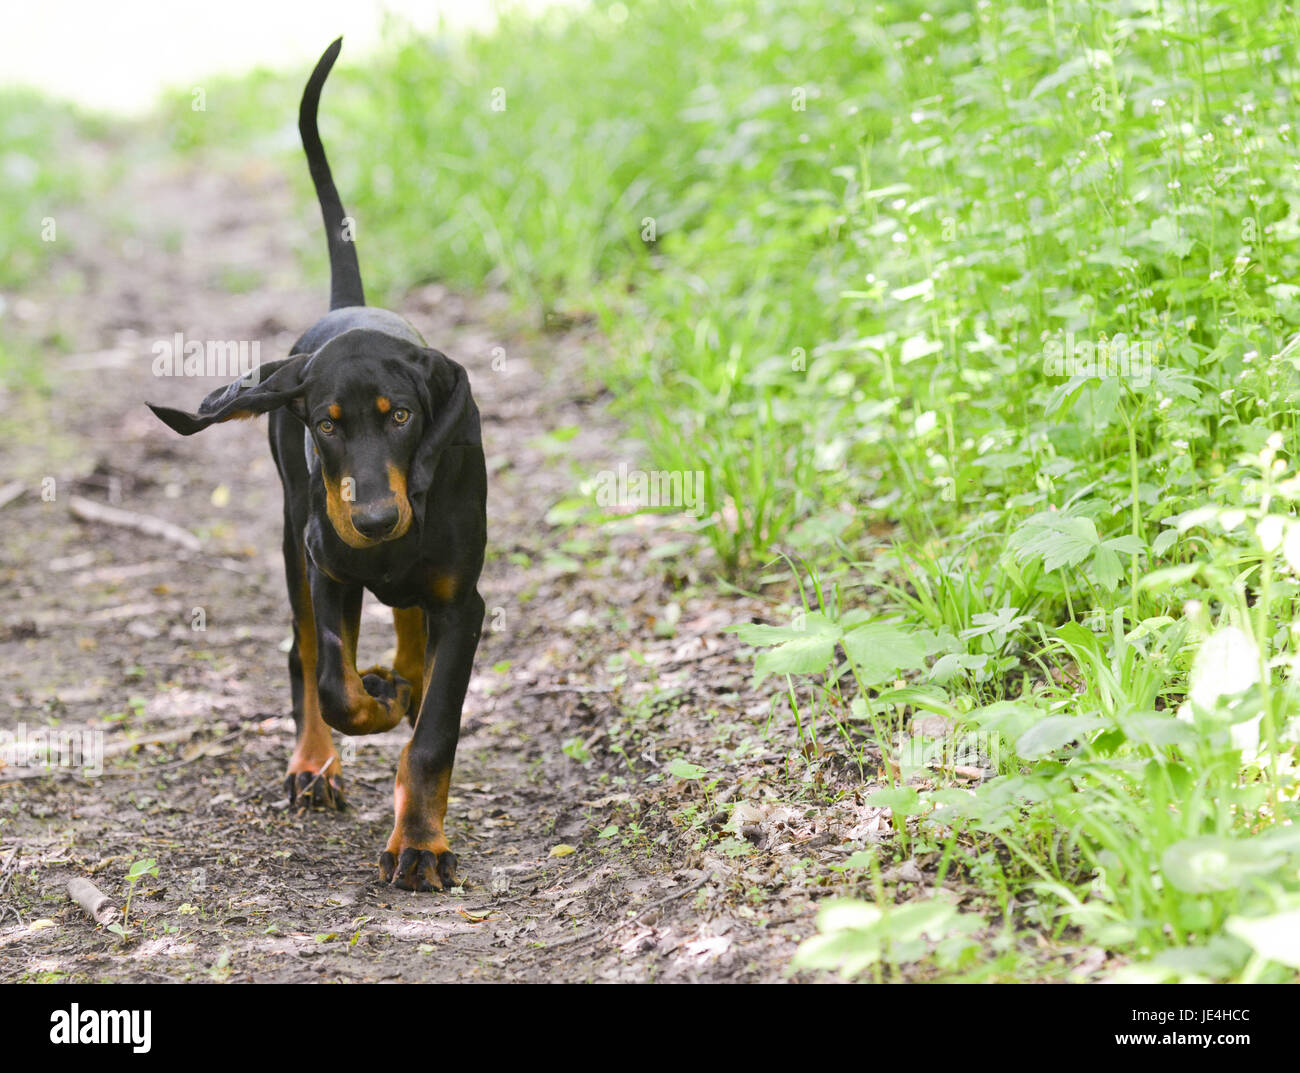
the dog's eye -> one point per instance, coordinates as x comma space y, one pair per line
401, 416
326, 427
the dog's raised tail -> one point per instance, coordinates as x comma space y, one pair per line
345, 273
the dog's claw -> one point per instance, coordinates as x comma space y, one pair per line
419, 869
308, 790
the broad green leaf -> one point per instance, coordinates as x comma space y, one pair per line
1054, 732
1059, 540
880, 650
1168, 577
1158, 730
1010, 718
803, 655
683, 769
859, 859
812, 624
901, 800
1107, 568
1217, 863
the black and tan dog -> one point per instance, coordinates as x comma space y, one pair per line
377, 442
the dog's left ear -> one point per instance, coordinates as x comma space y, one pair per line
268, 387
450, 418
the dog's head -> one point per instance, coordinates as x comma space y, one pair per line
378, 410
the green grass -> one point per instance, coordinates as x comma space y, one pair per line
44, 171
836, 250
867, 231
36, 178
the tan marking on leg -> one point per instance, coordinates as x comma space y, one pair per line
411, 640
315, 744
365, 714
419, 811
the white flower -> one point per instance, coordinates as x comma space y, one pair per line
1269, 532
1227, 663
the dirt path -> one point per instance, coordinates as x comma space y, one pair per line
602, 662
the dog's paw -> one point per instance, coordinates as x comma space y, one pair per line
420, 868
315, 786
389, 688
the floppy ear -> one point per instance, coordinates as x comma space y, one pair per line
451, 417
270, 385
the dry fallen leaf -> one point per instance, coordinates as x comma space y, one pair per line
562, 850
708, 947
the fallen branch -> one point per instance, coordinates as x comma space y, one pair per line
89, 511
316, 778
119, 748
11, 491
161, 737
95, 902
699, 657
548, 691
11, 866
121, 611
233, 565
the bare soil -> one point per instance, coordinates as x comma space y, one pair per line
603, 660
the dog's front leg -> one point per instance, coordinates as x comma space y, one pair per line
349, 703
418, 856
314, 777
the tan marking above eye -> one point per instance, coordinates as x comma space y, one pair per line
335, 410
383, 404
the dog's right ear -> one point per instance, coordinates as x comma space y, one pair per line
451, 418
268, 387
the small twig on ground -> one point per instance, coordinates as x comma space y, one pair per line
308, 788
225, 563
89, 511
11, 866
163, 737
716, 653
159, 739
119, 748
11, 491
546, 691
94, 901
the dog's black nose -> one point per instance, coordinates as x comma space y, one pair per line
375, 522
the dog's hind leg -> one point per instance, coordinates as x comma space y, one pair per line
314, 751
